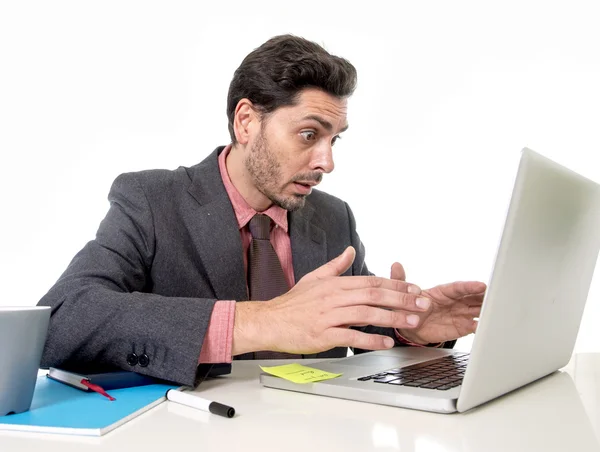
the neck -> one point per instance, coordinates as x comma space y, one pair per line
242, 180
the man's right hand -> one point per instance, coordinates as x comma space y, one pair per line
316, 313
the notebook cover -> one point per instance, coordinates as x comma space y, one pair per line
60, 408
107, 380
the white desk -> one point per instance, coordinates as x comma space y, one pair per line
558, 413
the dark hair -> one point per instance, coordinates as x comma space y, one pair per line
274, 74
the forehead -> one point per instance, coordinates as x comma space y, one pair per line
313, 102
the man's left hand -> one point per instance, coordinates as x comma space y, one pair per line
454, 307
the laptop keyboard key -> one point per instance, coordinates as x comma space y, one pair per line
432, 385
387, 379
422, 382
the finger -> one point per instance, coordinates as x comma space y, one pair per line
470, 300
478, 298
383, 298
369, 315
342, 337
398, 272
474, 311
334, 267
469, 311
359, 282
460, 289
469, 327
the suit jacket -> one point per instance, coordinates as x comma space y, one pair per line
140, 296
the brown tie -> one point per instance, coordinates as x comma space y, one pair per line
265, 275
266, 279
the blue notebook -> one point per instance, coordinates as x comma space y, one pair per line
59, 408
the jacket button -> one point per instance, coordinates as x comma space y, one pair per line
132, 359
144, 360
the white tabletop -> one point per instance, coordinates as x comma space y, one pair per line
558, 413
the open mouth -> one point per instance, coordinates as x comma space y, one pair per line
303, 188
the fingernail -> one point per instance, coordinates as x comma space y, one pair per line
423, 303
414, 290
412, 319
388, 342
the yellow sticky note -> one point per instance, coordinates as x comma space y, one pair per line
298, 373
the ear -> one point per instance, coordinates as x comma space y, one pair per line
245, 121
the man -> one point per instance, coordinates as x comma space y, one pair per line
166, 283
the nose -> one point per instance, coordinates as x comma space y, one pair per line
322, 158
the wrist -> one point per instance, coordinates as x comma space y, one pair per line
250, 327
410, 337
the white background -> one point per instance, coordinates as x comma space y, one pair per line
449, 93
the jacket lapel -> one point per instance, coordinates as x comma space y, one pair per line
309, 245
219, 244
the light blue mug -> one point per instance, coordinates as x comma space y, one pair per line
23, 332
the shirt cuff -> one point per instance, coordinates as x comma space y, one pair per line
405, 341
218, 341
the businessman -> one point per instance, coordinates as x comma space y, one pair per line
240, 256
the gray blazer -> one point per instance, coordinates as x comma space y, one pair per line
140, 296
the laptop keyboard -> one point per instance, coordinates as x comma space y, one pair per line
440, 374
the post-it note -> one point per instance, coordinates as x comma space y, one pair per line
298, 373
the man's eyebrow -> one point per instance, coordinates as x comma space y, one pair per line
326, 124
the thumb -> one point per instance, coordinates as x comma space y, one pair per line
398, 272
334, 267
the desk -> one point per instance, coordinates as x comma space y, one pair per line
558, 413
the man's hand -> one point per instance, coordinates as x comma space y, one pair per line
315, 314
453, 309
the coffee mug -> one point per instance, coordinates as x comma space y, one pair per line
23, 332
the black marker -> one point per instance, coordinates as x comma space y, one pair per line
199, 403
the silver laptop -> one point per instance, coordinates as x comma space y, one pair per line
530, 316
23, 331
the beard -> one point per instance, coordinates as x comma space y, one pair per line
265, 169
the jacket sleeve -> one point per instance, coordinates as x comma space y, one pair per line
359, 267
103, 314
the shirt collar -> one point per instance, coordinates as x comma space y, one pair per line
243, 211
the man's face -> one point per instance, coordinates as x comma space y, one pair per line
293, 148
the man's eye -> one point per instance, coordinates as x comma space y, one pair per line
335, 138
308, 135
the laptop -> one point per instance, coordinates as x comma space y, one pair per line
23, 331
530, 316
